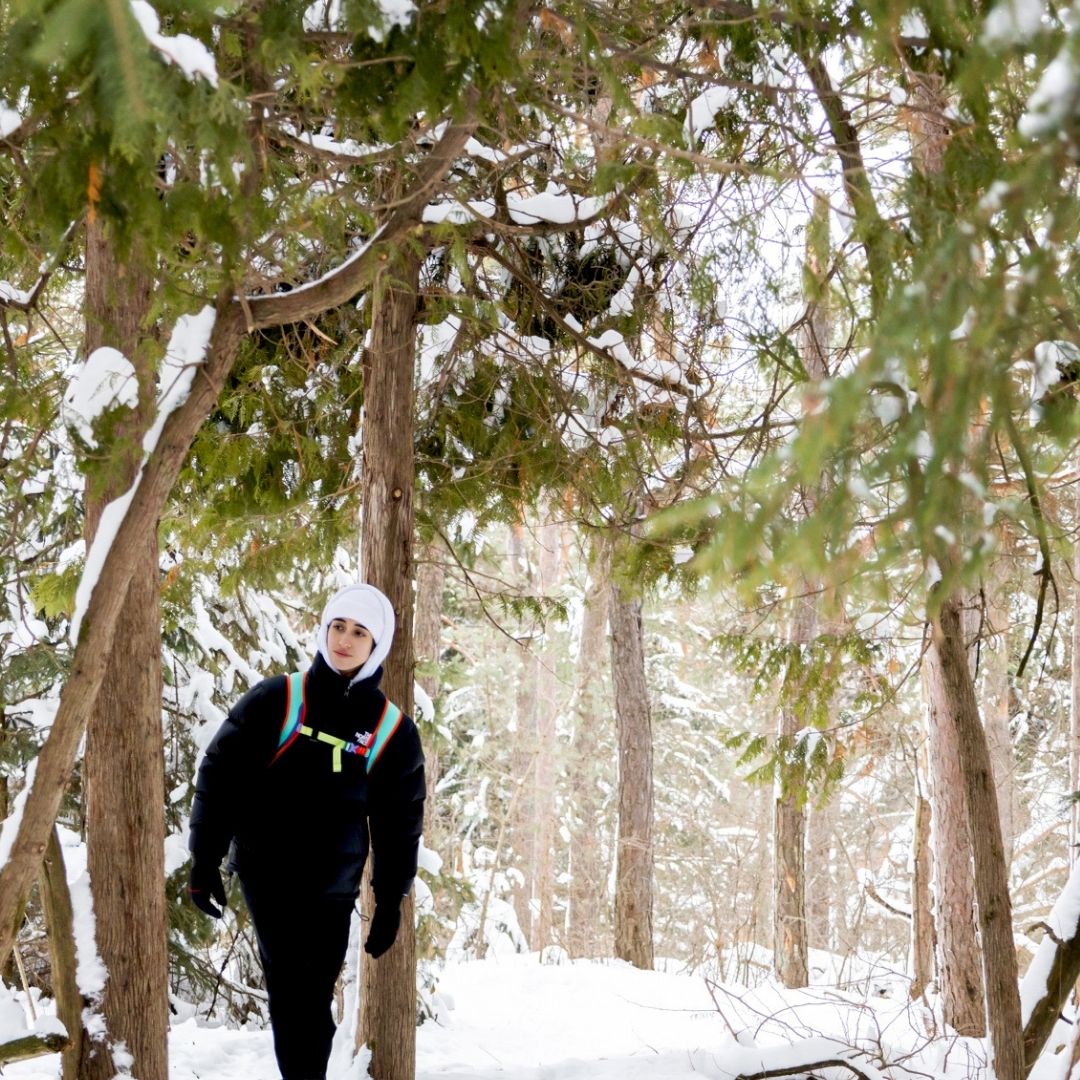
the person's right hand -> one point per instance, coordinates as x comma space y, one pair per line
205, 887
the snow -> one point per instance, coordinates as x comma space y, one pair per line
1063, 921
513, 1016
189, 54
551, 206
8, 292
1012, 21
105, 382
10, 828
393, 13
1052, 100
185, 352
555, 208
702, 112
9, 123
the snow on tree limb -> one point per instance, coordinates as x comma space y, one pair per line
1053, 970
185, 354
350, 278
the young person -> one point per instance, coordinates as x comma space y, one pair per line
305, 773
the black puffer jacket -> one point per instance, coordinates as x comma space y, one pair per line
296, 825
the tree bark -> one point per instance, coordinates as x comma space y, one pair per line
790, 937
819, 879
634, 855
547, 705
388, 985
123, 767
60, 928
991, 872
958, 961
790, 945
923, 938
1074, 718
996, 696
588, 876
1052, 975
523, 758
430, 577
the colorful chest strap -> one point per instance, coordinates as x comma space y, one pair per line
370, 746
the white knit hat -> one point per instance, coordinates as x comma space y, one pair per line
370, 608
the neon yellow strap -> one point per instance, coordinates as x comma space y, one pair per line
337, 744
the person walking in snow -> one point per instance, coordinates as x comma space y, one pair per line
305, 773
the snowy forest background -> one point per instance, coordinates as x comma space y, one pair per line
697, 379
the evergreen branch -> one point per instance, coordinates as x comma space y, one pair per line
1045, 573
323, 153
869, 225
355, 274
28, 302
579, 338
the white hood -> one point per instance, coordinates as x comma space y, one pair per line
369, 607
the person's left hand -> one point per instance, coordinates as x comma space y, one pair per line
384, 928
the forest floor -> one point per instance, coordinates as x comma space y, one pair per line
514, 1018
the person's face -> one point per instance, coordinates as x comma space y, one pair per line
350, 644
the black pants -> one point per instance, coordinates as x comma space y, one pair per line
302, 942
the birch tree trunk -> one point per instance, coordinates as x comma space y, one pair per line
634, 856
123, 768
588, 875
388, 985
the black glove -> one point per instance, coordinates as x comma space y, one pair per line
384, 928
205, 887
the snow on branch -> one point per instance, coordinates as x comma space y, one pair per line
341, 284
26, 299
797, 1060
185, 353
189, 54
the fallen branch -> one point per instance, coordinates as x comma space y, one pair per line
32, 1046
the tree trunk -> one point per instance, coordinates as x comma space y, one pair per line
958, 959
388, 987
996, 694
430, 577
588, 876
523, 758
923, 938
991, 872
819, 879
1074, 719
634, 855
547, 705
790, 941
60, 928
790, 946
1051, 977
123, 768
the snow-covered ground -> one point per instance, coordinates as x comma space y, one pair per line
513, 1018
